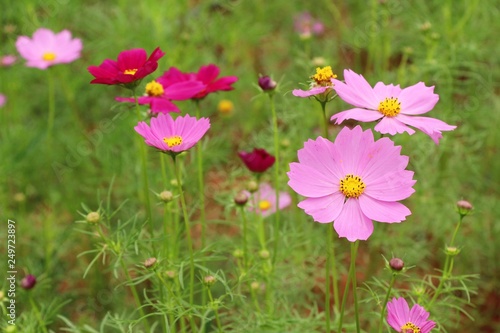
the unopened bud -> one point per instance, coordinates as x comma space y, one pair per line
285, 143
396, 264
170, 274
464, 207
264, 254
452, 251
255, 285
252, 186
266, 83
209, 280
174, 183
93, 217
150, 262
419, 290
28, 282
238, 253
241, 199
166, 196
10, 329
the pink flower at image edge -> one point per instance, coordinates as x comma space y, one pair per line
394, 107
399, 317
352, 182
47, 48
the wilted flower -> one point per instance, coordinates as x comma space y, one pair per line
352, 182
131, 67
173, 136
47, 48
395, 108
404, 320
259, 160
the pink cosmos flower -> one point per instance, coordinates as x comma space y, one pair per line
321, 85
160, 92
352, 181
394, 107
264, 200
306, 25
130, 67
7, 60
404, 320
173, 136
47, 48
3, 100
207, 75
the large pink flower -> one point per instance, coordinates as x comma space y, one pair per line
263, 201
352, 181
394, 107
404, 320
173, 136
130, 67
47, 48
207, 75
160, 92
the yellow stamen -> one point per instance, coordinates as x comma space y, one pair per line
323, 76
352, 186
154, 89
264, 205
410, 328
49, 56
173, 141
390, 107
130, 71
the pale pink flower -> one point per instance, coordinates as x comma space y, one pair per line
47, 48
352, 182
7, 60
404, 320
394, 107
3, 100
263, 201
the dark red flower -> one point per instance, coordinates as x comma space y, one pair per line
266, 83
206, 74
130, 67
259, 160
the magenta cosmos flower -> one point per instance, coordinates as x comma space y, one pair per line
173, 136
404, 320
160, 92
259, 160
130, 67
394, 107
47, 48
352, 181
321, 85
207, 75
263, 201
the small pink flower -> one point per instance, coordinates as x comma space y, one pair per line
306, 25
404, 320
160, 92
131, 67
207, 75
263, 201
7, 60
394, 107
47, 48
173, 136
352, 182
3, 100
321, 85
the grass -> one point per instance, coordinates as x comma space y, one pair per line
92, 160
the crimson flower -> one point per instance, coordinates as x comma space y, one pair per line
259, 160
207, 75
130, 67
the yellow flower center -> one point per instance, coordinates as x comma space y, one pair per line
49, 56
225, 106
130, 71
323, 76
390, 107
154, 89
352, 186
410, 328
264, 205
173, 141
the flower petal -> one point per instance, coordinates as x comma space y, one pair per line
430, 126
309, 182
358, 114
381, 211
352, 223
310, 92
322, 155
417, 99
323, 209
392, 125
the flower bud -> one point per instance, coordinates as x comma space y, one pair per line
93, 217
255, 285
418, 290
174, 183
10, 329
238, 253
28, 282
166, 196
264, 254
150, 262
285, 143
209, 280
241, 199
267, 84
252, 186
452, 251
464, 207
170, 274
396, 264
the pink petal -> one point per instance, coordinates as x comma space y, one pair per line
417, 99
182, 90
356, 91
386, 91
397, 313
352, 223
309, 182
162, 105
322, 155
358, 114
349, 141
224, 84
380, 211
391, 186
132, 59
323, 209
430, 126
392, 125
310, 92
208, 73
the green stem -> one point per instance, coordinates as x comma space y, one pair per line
188, 231
52, 108
384, 305
353, 278
169, 244
37, 314
136, 295
215, 308
145, 182
244, 236
276, 179
325, 119
327, 278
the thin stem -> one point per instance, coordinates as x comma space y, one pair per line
384, 305
143, 153
325, 120
327, 278
188, 231
37, 313
52, 108
353, 278
169, 244
276, 179
244, 236
215, 308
